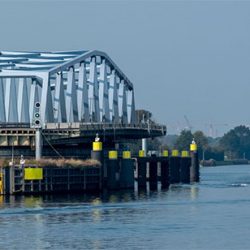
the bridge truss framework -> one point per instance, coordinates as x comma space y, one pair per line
71, 86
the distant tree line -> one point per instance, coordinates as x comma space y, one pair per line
235, 144
206, 150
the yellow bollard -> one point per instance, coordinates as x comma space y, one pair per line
97, 146
195, 166
193, 146
113, 155
126, 154
175, 152
165, 153
141, 153
96, 152
184, 153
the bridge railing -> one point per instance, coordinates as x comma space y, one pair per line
87, 126
100, 126
14, 125
122, 126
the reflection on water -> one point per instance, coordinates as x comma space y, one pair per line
110, 197
1, 199
194, 192
200, 216
31, 201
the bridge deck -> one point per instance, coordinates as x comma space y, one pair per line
22, 134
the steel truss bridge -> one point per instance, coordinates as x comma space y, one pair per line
72, 86
80, 93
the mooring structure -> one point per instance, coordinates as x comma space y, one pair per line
59, 101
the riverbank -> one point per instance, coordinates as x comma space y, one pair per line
213, 163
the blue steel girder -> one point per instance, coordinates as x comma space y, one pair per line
72, 86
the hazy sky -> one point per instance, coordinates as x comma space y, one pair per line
184, 57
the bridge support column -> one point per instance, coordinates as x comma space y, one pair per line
144, 145
38, 144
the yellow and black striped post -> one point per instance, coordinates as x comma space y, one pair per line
97, 154
195, 166
127, 171
142, 169
142, 153
185, 167
113, 155
174, 167
153, 173
113, 171
165, 169
165, 153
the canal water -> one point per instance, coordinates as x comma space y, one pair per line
214, 214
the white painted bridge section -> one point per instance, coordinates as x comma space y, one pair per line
71, 86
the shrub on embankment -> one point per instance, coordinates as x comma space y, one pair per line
62, 162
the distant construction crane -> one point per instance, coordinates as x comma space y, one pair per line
188, 123
212, 132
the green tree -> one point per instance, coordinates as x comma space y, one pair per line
201, 141
214, 153
134, 146
237, 142
184, 140
154, 144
